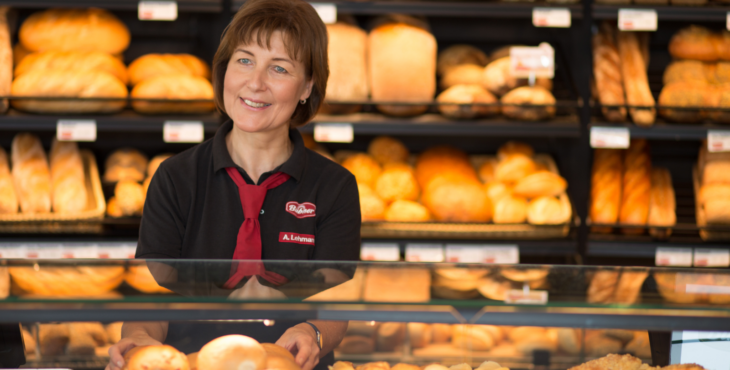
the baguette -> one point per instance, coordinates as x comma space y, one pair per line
607, 72
67, 178
636, 186
662, 205
636, 81
6, 58
8, 197
606, 182
31, 174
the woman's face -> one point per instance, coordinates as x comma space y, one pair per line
263, 86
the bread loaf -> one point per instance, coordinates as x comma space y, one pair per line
603, 286
173, 87
498, 79
684, 95
547, 210
155, 65
486, 170
69, 84
31, 175
606, 183
89, 29
164, 357
662, 205
6, 58
636, 82
402, 67
496, 190
453, 198
8, 196
386, 149
696, 43
460, 54
516, 103
125, 164
466, 101
607, 73
347, 51
636, 192
67, 178
720, 98
407, 211
71, 61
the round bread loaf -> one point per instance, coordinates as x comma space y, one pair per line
696, 43
162, 357
364, 167
173, 87
89, 29
407, 211
456, 198
232, 352
72, 60
130, 197
276, 350
154, 65
460, 54
441, 160
515, 101
466, 99
397, 182
125, 164
385, 149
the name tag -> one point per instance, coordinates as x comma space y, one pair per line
296, 238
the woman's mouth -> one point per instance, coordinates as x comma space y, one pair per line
254, 104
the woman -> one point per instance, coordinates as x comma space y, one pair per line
254, 191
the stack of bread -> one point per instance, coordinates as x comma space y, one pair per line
348, 80
620, 61
516, 188
170, 77
471, 86
71, 53
72, 339
131, 172
625, 189
36, 185
699, 77
609, 286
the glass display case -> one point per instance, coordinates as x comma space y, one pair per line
517, 315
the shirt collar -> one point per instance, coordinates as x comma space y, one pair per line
294, 166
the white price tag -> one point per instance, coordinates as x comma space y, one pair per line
334, 133
114, 252
610, 137
529, 62
718, 141
183, 132
157, 10
424, 253
508, 254
43, 251
712, 257
79, 251
13, 252
673, 256
517, 296
328, 12
637, 20
379, 252
76, 130
551, 17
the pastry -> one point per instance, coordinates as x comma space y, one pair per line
514, 103
514, 168
486, 170
372, 207
77, 84
397, 182
173, 87
636, 191
510, 210
684, 95
460, 54
452, 198
402, 67
696, 43
471, 338
539, 184
462, 74
89, 29
662, 205
385, 149
150, 66
8, 195
6, 58
606, 184
125, 164
67, 178
407, 211
636, 82
498, 79
231, 352
607, 73
130, 197
442, 160
161, 357
514, 147
357, 344
469, 101
31, 175
72, 61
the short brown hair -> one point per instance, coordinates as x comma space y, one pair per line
305, 38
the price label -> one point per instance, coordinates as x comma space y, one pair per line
76, 130
507, 254
379, 252
637, 20
711, 257
674, 256
551, 17
610, 137
114, 252
157, 10
334, 132
79, 251
424, 253
328, 12
183, 132
718, 141
516, 296
530, 62
43, 251
13, 252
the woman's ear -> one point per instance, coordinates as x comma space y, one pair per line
307, 89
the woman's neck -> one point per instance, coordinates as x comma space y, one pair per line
259, 152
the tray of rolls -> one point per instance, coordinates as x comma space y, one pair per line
445, 193
41, 188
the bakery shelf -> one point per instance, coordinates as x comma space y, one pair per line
446, 9
709, 13
208, 6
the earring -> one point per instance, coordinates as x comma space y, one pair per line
303, 101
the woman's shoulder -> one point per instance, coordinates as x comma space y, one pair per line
328, 169
189, 161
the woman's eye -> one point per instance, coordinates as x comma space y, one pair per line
279, 69
244, 61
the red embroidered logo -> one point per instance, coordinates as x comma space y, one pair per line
296, 238
301, 210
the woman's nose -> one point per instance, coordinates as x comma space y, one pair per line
257, 79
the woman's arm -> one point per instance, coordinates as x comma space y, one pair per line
301, 340
136, 334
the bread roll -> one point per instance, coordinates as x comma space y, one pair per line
487, 169
497, 190
67, 178
232, 352
510, 210
125, 164
636, 193
696, 43
453, 198
686, 95
662, 205
397, 182
390, 336
150, 66
685, 71
385, 149
8, 196
357, 344
466, 101
73, 61
606, 184
607, 73
540, 184
547, 210
372, 207
342, 365
514, 147
456, 55
6, 58
498, 79
78, 84
161, 357
155, 163
402, 67
463, 74
130, 197
442, 160
31, 175
636, 82
173, 87
407, 211
89, 29
193, 360
514, 103
364, 167
514, 169
379, 365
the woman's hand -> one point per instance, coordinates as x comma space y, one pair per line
117, 351
301, 341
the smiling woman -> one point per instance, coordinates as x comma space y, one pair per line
254, 192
